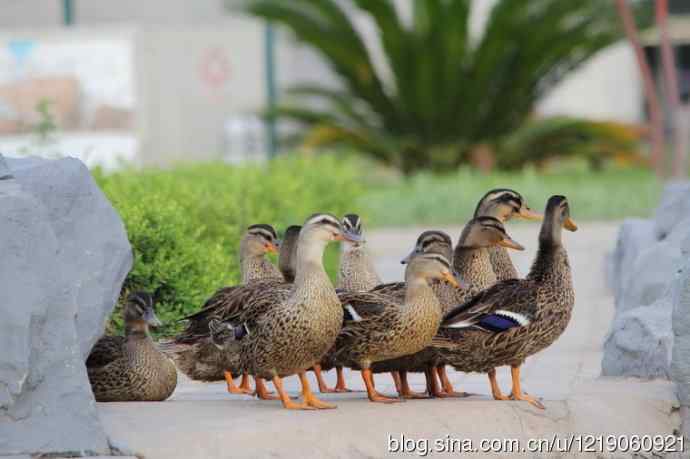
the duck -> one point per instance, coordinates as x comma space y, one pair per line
290, 330
472, 264
131, 368
356, 273
288, 253
378, 327
432, 241
191, 350
259, 240
515, 318
504, 204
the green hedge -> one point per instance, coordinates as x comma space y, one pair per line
184, 223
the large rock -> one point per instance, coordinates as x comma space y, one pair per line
680, 365
673, 208
89, 231
646, 279
635, 235
65, 255
640, 342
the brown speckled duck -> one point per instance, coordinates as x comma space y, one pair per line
377, 327
192, 351
131, 368
259, 240
515, 318
288, 331
356, 274
472, 263
504, 204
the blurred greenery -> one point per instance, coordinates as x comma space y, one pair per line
185, 223
441, 96
427, 199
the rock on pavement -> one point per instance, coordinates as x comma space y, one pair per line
650, 335
65, 256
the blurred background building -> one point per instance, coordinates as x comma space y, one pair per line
165, 80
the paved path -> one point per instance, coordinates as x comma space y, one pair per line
203, 421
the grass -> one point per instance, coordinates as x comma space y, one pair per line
425, 199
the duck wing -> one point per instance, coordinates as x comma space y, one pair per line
507, 304
106, 350
235, 305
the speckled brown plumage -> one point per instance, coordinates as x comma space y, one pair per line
131, 368
257, 241
356, 272
503, 204
193, 352
542, 304
472, 264
380, 328
295, 332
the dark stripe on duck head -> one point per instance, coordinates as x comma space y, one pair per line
323, 219
352, 222
428, 238
263, 230
500, 195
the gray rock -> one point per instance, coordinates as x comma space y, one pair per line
634, 236
89, 230
640, 342
5, 172
47, 281
673, 208
647, 278
680, 365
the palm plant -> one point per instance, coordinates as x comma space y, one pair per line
440, 91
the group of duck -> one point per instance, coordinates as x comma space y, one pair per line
463, 306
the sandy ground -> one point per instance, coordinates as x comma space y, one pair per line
203, 421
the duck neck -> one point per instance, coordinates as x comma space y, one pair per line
311, 278
473, 264
551, 265
357, 268
256, 267
420, 297
136, 331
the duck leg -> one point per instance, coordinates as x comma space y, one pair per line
340, 383
262, 391
323, 387
396, 380
432, 386
371, 391
309, 397
288, 404
405, 391
517, 393
495, 388
447, 386
244, 385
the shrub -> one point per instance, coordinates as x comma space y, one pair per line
184, 223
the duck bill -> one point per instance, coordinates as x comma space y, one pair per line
271, 247
151, 319
510, 244
451, 279
529, 214
350, 236
408, 258
570, 224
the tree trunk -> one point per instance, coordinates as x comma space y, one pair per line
655, 115
668, 62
